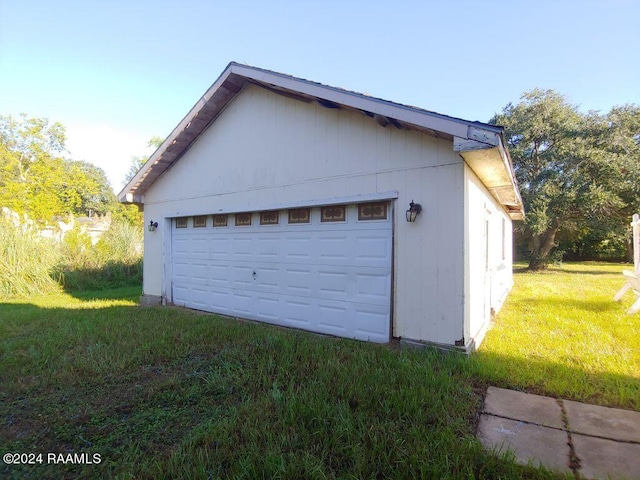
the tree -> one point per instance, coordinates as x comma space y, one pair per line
35, 179
569, 166
138, 162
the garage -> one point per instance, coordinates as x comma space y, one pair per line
325, 269
286, 201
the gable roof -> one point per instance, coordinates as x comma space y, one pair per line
480, 144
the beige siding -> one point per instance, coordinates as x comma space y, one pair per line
488, 257
267, 149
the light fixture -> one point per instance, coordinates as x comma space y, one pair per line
414, 210
152, 226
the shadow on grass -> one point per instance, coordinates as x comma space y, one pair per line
596, 306
540, 376
562, 269
113, 275
125, 292
591, 272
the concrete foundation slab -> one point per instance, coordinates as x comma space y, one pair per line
531, 444
607, 459
606, 422
523, 406
150, 300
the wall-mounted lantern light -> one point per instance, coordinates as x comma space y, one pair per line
414, 210
152, 226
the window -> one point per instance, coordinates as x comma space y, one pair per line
269, 217
334, 213
243, 219
300, 215
372, 211
220, 220
200, 221
181, 222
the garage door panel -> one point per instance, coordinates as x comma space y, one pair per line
242, 277
199, 273
298, 312
218, 247
333, 283
268, 308
267, 278
372, 249
220, 300
198, 247
181, 270
180, 295
219, 275
371, 324
332, 318
331, 278
241, 247
298, 280
180, 245
332, 248
297, 248
373, 287
267, 247
242, 303
198, 298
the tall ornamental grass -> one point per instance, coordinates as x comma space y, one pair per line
27, 261
116, 260
33, 265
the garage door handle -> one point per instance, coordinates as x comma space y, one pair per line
255, 275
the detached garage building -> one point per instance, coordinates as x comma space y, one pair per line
286, 201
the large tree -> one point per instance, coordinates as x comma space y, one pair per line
35, 179
573, 169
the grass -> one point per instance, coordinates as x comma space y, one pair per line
169, 393
26, 260
33, 265
560, 334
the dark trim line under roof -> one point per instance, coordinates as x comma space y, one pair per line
236, 76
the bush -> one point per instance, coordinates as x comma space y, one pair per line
115, 261
27, 260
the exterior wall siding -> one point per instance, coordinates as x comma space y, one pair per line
488, 257
266, 149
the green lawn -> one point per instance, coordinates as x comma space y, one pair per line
560, 334
169, 393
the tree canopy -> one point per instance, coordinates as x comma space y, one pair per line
577, 172
37, 180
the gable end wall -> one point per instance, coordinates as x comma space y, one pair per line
267, 149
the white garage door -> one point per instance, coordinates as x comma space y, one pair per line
326, 270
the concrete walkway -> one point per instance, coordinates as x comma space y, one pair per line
590, 441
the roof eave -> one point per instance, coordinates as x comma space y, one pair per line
492, 164
236, 76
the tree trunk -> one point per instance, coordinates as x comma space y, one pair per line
629, 249
542, 246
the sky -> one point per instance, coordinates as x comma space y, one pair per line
116, 73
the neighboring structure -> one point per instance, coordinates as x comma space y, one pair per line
95, 226
282, 200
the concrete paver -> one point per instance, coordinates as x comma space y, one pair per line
523, 406
605, 441
603, 421
604, 459
531, 444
